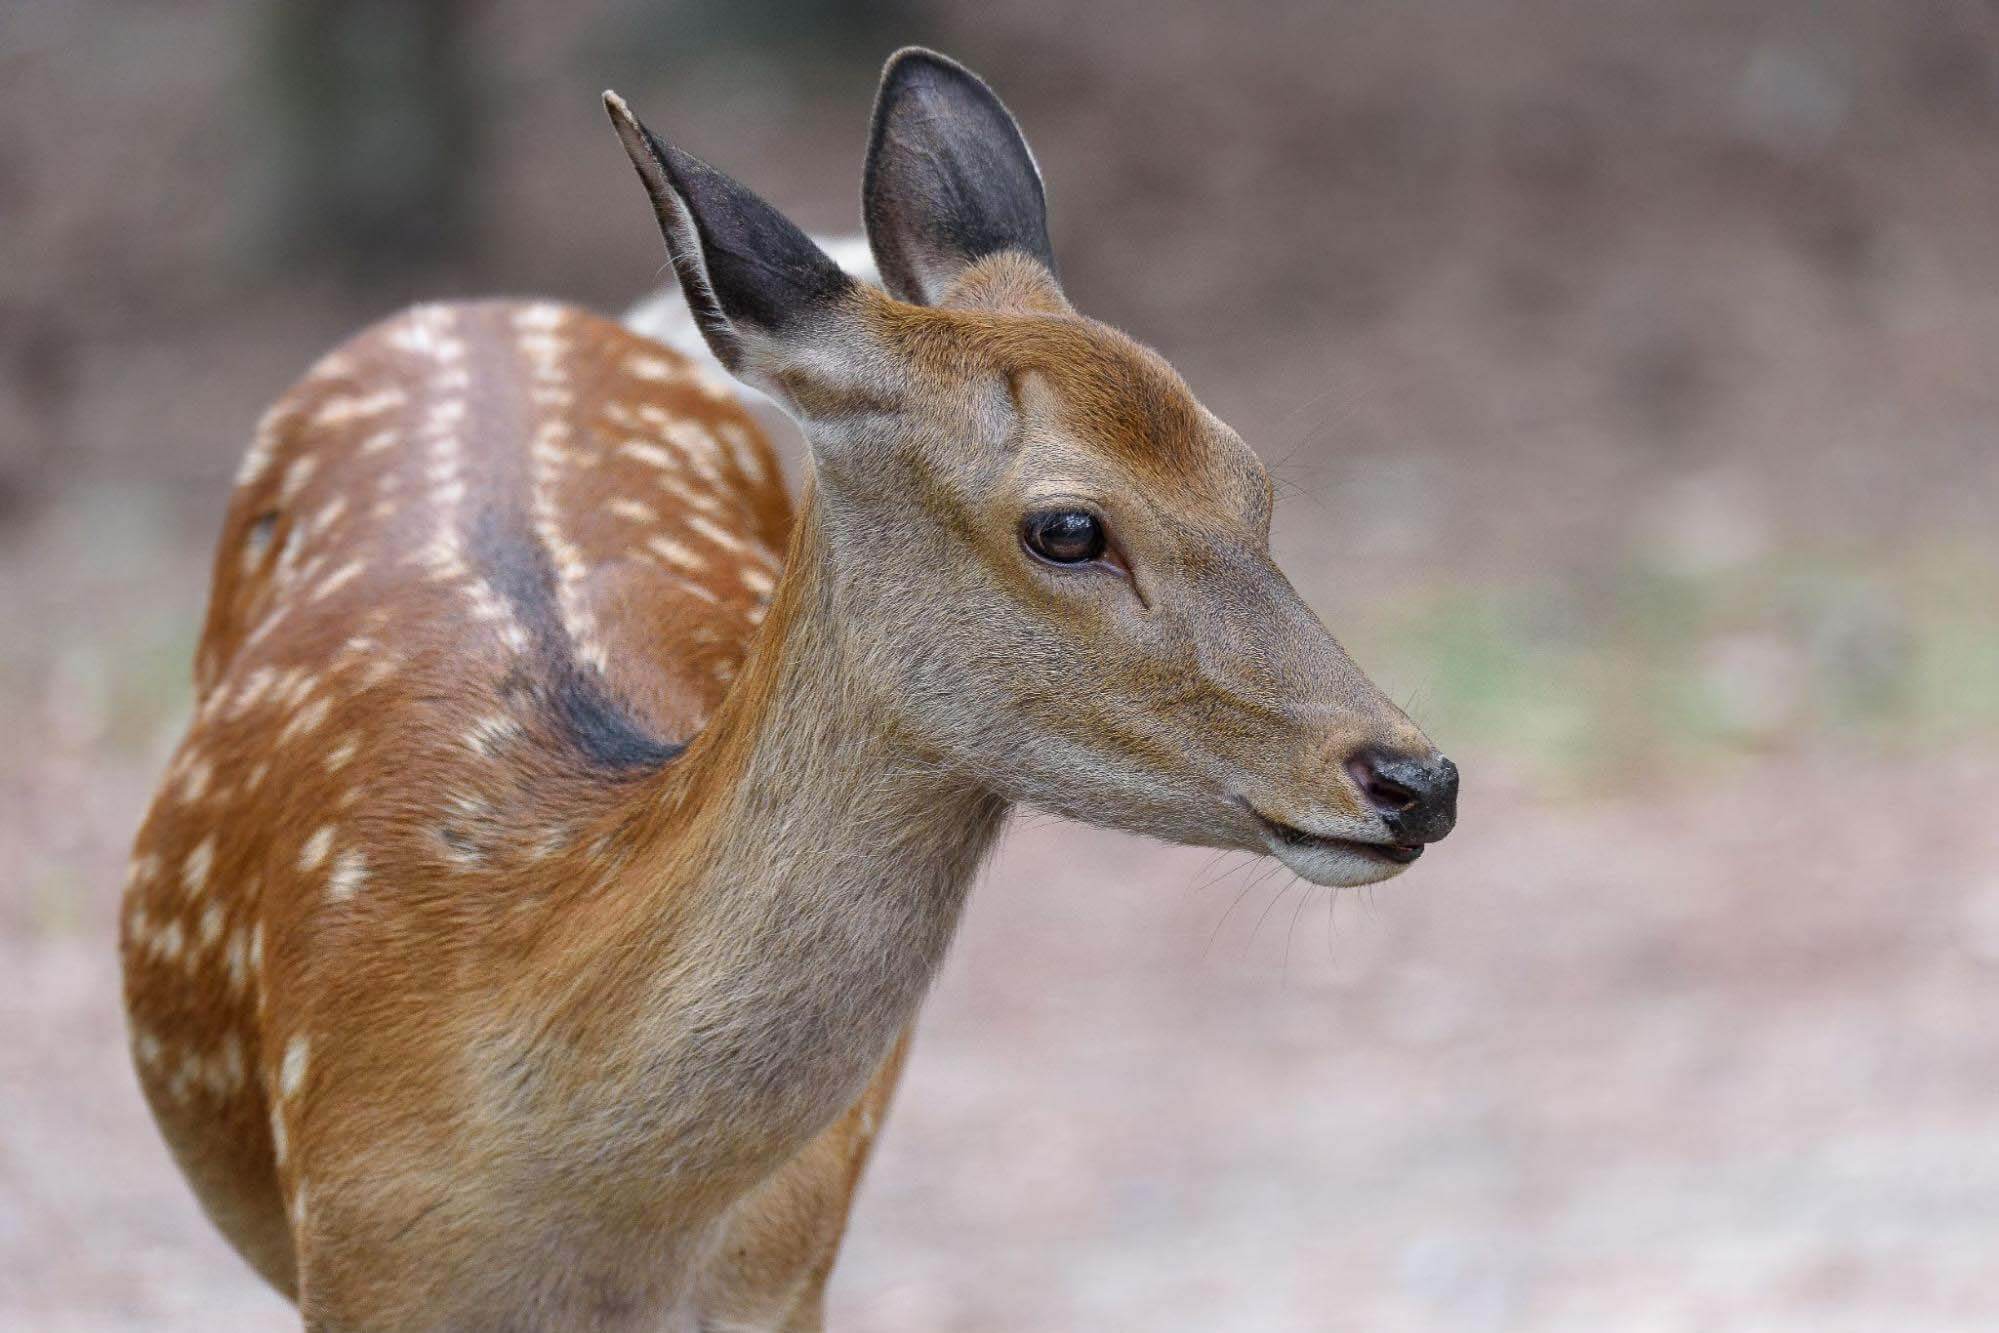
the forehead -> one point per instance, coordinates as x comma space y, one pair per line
1100, 392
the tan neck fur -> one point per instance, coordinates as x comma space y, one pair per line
783, 895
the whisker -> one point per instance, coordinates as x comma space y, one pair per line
1216, 933
1284, 889
1303, 901
1207, 866
1224, 872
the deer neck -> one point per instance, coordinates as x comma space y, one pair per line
794, 882
827, 824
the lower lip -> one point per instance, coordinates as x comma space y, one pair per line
1395, 853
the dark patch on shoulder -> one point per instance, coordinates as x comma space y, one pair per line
572, 696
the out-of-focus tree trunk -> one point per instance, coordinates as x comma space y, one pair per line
373, 132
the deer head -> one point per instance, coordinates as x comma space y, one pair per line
1059, 561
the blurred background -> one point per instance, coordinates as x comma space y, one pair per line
1631, 370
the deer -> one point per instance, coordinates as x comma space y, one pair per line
529, 930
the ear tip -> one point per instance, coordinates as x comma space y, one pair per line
623, 121
914, 62
913, 52
649, 152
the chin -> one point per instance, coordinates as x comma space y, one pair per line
1339, 864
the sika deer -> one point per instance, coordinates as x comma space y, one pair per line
528, 931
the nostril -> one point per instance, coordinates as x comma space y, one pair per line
1383, 792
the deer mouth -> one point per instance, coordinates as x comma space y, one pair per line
1393, 853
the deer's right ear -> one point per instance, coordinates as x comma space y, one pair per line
752, 279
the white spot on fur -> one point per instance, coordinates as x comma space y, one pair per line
306, 719
293, 685
540, 316
170, 941
350, 872
264, 443
236, 958
292, 1069
688, 585
656, 368
719, 535
671, 551
296, 476
545, 449
329, 514
316, 848
426, 331
636, 510
749, 460
336, 411
649, 454
696, 445
269, 623
187, 1076
339, 579
210, 929
334, 365
194, 870
253, 691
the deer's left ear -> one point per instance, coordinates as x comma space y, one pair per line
950, 179
756, 284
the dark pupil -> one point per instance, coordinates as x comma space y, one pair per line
1069, 536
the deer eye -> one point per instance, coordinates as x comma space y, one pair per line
1064, 536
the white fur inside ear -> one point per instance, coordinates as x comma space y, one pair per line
697, 289
663, 315
934, 273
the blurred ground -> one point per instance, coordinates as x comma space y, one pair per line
1622, 1064
1633, 371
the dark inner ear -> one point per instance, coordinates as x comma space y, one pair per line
741, 263
949, 178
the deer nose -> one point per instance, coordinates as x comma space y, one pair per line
1416, 796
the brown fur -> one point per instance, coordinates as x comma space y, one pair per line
391, 705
